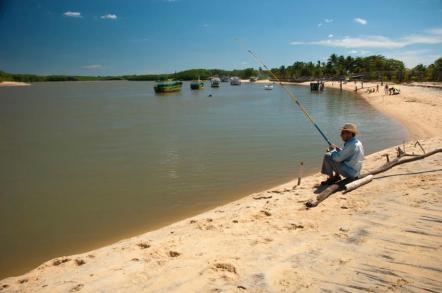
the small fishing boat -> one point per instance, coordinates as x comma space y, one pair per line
317, 86
197, 84
214, 82
235, 80
225, 79
268, 87
168, 86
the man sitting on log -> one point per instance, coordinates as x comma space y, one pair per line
346, 161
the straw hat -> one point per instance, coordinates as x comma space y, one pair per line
350, 127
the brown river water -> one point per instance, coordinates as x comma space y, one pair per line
84, 164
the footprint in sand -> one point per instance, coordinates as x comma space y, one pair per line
293, 226
267, 213
60, 261
206, 227
341, 235
225, 267
358, 237
398, 284
76, 288
174, 254
143, 245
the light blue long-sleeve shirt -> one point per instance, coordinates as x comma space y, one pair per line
350, 157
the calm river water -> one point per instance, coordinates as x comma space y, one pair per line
84, 164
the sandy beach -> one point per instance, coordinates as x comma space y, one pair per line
418, 106
384, 236
13, 83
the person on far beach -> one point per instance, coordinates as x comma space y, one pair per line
346, 161
386, 89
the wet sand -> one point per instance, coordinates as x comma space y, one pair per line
384, 236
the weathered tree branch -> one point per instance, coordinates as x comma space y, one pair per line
397, 161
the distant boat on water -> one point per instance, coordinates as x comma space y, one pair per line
168, 86
197, 84
268, 87
235, 80
225, 79
214, 82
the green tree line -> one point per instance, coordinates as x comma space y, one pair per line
374, 67
4, 76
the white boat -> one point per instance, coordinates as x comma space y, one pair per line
235, 80
268, 87
214, 82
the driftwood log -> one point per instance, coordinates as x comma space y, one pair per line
341, 184
358, 183
397, 161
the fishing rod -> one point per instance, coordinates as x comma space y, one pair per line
294, 98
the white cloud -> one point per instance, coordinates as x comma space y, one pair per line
92, 66
360, 20
109, 16
362, 42
72, 14
360, 52
412, 58
330, 35
435, 31
326, 21
433, 36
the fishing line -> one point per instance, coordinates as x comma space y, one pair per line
294, 98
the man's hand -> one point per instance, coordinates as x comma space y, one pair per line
331, 147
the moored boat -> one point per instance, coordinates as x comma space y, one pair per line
235, 80
197, 84
214, 82
168, 86
268, 87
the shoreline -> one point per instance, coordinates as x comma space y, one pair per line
416, 118
167, 240
13, 83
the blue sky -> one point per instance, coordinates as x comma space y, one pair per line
110, 37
